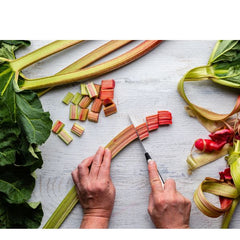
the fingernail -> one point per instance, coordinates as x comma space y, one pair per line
150, 161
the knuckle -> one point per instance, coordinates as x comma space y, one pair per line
155, 180
149, 210
159, 202
80, 167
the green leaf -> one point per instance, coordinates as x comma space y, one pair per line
8, 47
16, 184
34, 121
228, 50
26, 215
23, 126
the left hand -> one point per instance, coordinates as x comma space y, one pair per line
95, 189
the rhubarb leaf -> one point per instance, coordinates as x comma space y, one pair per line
16, 184
225, 51
26, 215
23, 126
34, 121
8, 47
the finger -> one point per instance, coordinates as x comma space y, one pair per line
97, 161
104, 171
151, 202
154, 179
75, 176
83, 167
170, 185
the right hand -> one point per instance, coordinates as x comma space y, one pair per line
167, 207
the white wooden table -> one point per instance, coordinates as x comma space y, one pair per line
148, 83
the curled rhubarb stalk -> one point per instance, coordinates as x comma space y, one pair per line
90, 72
218, 188
227, 188
118, 143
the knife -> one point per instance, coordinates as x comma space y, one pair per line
147, 155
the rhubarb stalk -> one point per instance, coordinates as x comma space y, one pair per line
90, 72
41, 53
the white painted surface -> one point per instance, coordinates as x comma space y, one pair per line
148, 83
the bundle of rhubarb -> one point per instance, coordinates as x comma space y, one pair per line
223, 68
118, 143
24, 125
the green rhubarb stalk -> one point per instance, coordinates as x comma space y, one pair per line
90, 58
95, 55
64, 208
41, 53
228, 215
87, 73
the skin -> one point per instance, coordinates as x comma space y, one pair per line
167, 207
95, 189
96, 192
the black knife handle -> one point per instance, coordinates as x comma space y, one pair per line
148, 157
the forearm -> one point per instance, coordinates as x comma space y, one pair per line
94, 222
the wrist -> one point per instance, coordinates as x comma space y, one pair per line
94, 221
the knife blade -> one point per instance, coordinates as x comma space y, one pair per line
147, 155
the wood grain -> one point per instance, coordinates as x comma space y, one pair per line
148, 83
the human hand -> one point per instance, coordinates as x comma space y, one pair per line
95, 189
167, 207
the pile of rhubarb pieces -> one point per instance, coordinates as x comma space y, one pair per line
98, 95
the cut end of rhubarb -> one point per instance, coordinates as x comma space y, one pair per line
83, 113
92, 92
142, 131
97, 105
152, 122
77, 129
65, 137
58, 126
85, 102
164, 118
110, 109
93, 117
106, 93
108, 84
68, 98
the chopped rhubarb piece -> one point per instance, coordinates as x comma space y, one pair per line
107, 102
108, 84
164, 118
77, 98
110, 109
83, 88
85, 102
106, 93
77, 129
68, 98
74, 112
97, 105
58, 126
92, 116
152, 122
83, 113
98, 88
64, 135
142, 131
92, 92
